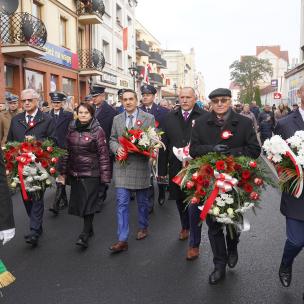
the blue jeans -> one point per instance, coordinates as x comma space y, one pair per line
123, 201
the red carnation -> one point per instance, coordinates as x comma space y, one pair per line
200, 180
156, 124
248, 188
237, 167
220, 165
209, 170
246, 174
50, 149
136, 133
206, 183
9, 166
39, 153
44, 164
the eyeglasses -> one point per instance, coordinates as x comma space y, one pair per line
222, 100
29, 100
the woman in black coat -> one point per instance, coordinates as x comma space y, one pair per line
87, 165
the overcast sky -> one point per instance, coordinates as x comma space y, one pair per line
222, 30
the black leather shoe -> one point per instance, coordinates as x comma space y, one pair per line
232, 259
285, 275
216, 276
83, 240
33, 240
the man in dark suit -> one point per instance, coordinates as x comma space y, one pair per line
32, 122
62, 121
292, 208
207, 137
148, 93
177, 129
104, 114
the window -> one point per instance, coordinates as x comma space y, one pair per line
36, 9
118, 15
106, 50
68, 86
119, 58
53, 83
9, 76
81, 41
63, 32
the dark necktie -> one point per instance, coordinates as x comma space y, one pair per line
29, 118
56, 116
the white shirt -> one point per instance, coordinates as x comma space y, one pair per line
33, 115
301, 112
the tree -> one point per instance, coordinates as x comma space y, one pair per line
257, 96
247, 73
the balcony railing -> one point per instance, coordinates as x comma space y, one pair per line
142, 48
156, 57
90, 11
91, 62
22, 29
156, 79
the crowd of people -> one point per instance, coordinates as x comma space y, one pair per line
91, 139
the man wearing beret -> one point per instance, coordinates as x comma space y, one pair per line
32, 122
149, 106
6, 116
62, 121
207, 137
104, 114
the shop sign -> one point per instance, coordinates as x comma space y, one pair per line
60, 56
108, 78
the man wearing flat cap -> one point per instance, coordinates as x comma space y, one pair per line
32, 122
6, 116
149, 106
62, 121
206, 137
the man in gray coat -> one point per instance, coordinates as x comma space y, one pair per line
134, 175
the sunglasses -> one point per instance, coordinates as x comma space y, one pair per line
222, 100
29, 100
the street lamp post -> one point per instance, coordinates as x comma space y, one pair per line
134, 73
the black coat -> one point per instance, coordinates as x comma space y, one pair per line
206, 134
286, 127
266, 124
44, 127
62, 126
105, 114
6, 205
158, 112
177, 134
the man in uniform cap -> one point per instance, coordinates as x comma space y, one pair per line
206, 137
62, 121
88, 99
104, 114
41, 125
149, 106
6, 116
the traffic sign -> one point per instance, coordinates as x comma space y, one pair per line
277, 95
274, 83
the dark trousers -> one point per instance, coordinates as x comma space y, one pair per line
294, 242
34, 209
220, 247
190, 220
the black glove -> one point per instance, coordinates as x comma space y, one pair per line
224, 149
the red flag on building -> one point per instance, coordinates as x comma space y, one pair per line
125, 39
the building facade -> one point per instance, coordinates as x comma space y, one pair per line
115, 37
149, 60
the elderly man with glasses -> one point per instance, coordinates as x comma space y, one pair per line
207, 137
32, 122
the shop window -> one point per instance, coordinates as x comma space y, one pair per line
34, 80
53, 83
119, 58
9, 76
63, 32
68, 86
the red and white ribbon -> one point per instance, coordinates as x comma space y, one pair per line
224, 183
